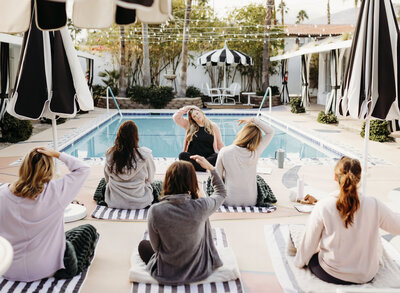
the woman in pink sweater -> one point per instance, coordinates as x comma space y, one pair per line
341, 242
32, 219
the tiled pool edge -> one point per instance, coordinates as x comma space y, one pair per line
313, 139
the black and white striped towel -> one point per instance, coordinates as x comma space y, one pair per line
48, 285
227, 209
220, 239
105, 213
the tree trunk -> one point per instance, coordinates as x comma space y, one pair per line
146, 55
265, 65
282, 12
185, 51
328, 11
122, 69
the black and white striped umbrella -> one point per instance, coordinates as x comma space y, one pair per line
371, 84
224, 57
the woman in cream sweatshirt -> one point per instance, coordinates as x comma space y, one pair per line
341, 241
237, 163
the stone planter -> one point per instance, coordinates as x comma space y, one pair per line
127, 103
276, 101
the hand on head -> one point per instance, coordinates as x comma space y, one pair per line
202, 162
245, 120
48, 152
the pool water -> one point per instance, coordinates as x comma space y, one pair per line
165, 138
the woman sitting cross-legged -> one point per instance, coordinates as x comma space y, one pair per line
341, 242
202, 138
181, 249
237, 165
32, 219
129, 173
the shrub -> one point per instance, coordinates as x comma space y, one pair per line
378, 131
58, 120
98, 91
15, 130
156, 96
329, 118
111, 78
295, 106
193, 92
274, 89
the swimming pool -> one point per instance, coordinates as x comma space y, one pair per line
165, 138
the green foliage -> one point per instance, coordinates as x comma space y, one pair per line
329, 118
98, 92
301, 16
378, 131
193, 92
295, 106
111, 78
15, 130
274, 89
156, 96
58, 120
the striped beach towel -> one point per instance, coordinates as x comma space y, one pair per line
293, 279
105, 213
220, 239
50, 285
253, 209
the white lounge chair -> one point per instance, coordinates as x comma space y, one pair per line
213, 93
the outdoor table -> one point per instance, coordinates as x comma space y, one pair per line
248, 97
6, 255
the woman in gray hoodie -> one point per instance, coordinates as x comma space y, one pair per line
181, 249
129, 171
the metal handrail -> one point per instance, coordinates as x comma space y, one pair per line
108, 90
270, 101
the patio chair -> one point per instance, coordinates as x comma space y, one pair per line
213, 93
232, 92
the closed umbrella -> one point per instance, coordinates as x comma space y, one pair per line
49, 80
224, 57
4, 76
330, 105
305, 79
371, 85
284, 75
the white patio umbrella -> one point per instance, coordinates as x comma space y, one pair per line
224, 57
371, 85
305, 79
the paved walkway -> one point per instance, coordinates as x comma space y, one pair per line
245, 232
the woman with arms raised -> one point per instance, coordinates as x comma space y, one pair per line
181, 249
345, 228
237, 165
202, 138
32, 219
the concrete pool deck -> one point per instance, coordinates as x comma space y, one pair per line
245, 232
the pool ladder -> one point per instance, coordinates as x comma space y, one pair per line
108, 90
268, 91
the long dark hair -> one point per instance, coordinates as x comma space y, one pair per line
348, 172
181, 178
125, 152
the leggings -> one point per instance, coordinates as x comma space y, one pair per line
317, 270
79, 250
145, 250
185, 156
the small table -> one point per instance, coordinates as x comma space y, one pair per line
6, 255
248, 97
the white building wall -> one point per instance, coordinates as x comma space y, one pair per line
323, 82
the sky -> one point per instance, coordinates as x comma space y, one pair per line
314, 8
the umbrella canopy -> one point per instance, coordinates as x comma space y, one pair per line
371, 84
4, 76
224, 57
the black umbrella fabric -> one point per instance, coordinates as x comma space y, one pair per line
305, 69
371, 85
334, 94
133, 4
50, 15
125, 16
4, 75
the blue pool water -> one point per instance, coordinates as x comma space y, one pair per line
165, 138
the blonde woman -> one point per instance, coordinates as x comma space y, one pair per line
237, 165
32, 219
202, 138
341, 242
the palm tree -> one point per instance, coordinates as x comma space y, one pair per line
122, 70
301, 16
283, 9
265, 66
146, 55
185, 51
328, 10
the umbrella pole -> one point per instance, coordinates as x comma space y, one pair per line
224, 76
55, 142
365, 163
